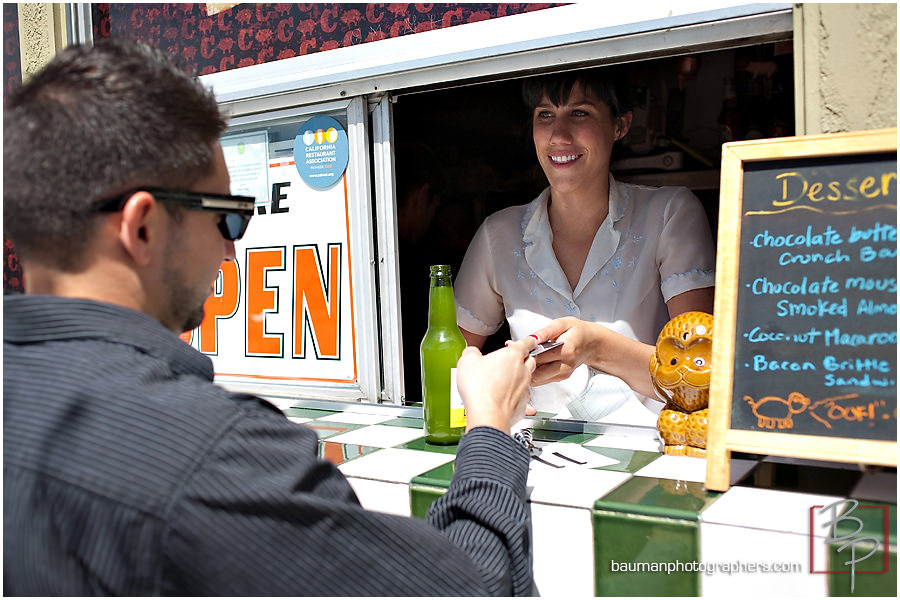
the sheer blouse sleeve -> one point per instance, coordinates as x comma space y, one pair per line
686, 251
479, 304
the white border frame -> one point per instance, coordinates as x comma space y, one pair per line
368, 385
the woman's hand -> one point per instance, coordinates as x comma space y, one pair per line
586, 342
579, 345
494, 386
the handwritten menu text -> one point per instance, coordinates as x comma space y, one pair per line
816, 335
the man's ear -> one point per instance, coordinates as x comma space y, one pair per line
139, 227
623, 124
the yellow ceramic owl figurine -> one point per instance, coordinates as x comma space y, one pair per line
680, 371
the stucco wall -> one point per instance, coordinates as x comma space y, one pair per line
42, 33
846, 67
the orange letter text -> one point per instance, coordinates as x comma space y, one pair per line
262, 299
310, 305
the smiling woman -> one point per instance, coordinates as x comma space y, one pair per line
591, 262
575, 124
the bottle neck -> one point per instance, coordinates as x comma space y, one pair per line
441, 305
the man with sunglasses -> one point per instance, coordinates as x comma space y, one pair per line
127, 471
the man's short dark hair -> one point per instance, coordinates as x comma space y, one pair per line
93, 122
608, 84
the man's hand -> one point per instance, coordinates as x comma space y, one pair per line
494, 387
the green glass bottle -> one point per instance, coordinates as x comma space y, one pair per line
445, 417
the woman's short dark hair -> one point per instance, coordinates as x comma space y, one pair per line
93, 122
608, 84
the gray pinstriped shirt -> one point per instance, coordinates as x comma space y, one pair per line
126, 471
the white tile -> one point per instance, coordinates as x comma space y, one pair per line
685, 468
645, 443
378, 436
392, 498
772, 510
690, 468
358, 418
571, 487
299, 419
395, 465
574, 452
563, 546
741, 562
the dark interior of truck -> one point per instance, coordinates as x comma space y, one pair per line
472, 143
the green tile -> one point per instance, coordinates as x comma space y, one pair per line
875, 517
421, 444
658, 497
631, 553
877, 574
308, 413
338, 453
870, 578
630, 461
421, 497
548, 435
641, 527
327, 429
411, 422
428, 487
437, 477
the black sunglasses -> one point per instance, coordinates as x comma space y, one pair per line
236, 210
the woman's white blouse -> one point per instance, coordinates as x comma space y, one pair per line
654, 244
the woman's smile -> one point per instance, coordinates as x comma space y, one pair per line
574, 140
564, 160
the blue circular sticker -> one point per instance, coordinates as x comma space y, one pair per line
321, 152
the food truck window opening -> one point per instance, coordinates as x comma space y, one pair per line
425, 67
472, 144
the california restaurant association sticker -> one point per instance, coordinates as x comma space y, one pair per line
321, 151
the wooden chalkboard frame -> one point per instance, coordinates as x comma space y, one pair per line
722, 439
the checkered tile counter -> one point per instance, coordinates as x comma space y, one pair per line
611, 515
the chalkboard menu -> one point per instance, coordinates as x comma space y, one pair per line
805, 344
